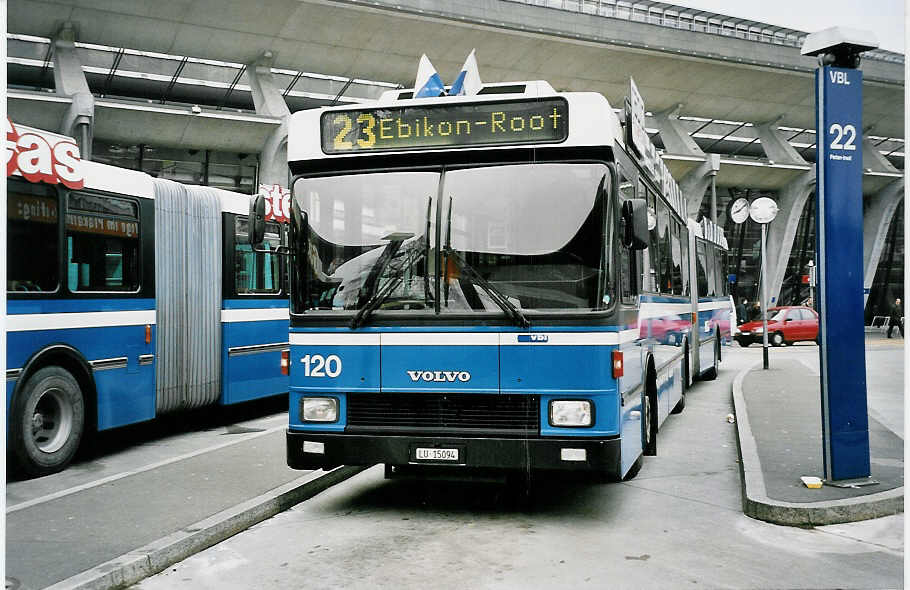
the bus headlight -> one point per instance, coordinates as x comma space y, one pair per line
571, 413
319, 409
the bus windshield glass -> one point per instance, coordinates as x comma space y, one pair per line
528, 237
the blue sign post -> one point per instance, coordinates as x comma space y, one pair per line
839, 235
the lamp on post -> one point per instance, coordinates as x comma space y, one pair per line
763, 210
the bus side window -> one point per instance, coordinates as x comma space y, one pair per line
701, 273
33, 243
666, 260
651, 274
719, 274
675, 258
256, 272
102, 242
684, 257
627, 257
710, 267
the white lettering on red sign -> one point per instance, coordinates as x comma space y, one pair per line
41, 159
277, 202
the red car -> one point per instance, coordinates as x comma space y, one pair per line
786, 325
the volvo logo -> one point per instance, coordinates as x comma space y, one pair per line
439, 376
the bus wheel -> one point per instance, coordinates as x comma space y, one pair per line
649, 425
46, 422
711, 374
633, 471
681, 404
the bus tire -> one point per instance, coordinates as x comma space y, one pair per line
711, 374
633, 471
649, 424
681, 404
46, 422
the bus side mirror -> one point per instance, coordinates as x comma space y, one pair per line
256, 227
635, 216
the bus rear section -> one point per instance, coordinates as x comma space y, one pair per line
125, 301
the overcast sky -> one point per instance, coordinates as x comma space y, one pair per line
885, 18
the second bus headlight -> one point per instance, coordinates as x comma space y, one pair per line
319, 409
571, 413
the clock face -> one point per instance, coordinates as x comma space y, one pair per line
763, 210
739, 210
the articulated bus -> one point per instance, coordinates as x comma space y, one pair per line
500, 281
127, 297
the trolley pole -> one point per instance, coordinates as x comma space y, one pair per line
839, 235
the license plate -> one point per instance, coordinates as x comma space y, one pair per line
422, 454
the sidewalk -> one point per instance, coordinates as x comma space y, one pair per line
778, 415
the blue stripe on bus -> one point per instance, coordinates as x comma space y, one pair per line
253, 303
22, 306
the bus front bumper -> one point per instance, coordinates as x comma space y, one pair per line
307, 450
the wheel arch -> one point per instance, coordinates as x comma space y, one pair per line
65, 357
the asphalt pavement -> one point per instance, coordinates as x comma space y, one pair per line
118, 529
778, 414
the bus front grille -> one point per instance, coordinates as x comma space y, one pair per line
442, 413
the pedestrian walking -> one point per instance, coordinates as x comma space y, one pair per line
897, 314
741, 308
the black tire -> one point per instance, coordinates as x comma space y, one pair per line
633, 471
649, 424
777, 339
46, 422
681, 404
711, 374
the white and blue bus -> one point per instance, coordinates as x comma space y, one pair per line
127, 297
496, 281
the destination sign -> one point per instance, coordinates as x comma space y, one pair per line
445, 126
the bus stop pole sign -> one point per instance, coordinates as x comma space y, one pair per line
839, 235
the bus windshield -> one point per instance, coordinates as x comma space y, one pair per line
528, 237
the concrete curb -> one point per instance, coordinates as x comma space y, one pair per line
157, 556
757, 504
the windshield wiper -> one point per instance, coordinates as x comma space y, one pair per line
371, 282
367, 310
495, 294
364, 313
